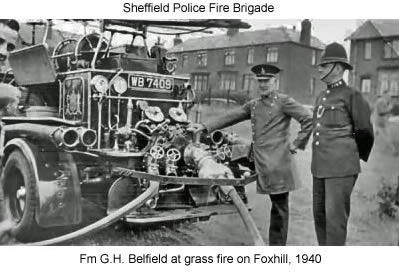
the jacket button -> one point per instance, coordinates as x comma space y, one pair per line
333, 108
324, 99
328, 91
317, 143
318, 124
317, 133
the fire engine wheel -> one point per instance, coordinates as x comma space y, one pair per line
20, 196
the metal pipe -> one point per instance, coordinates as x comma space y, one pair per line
68, 137
174, 190
46, 31
100, 40
217, 137
96, 96
129, 114
59, 136
87, 137
100, 106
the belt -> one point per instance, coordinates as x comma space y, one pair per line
335, 132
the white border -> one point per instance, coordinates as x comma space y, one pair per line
284, 9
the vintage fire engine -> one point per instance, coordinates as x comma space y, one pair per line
109, 125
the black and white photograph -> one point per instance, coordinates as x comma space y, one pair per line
199, 132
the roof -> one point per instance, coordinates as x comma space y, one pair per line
372, 29
245, 38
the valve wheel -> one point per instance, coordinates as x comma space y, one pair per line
157, 152
173, 154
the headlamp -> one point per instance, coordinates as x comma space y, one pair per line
119, 85
100, 83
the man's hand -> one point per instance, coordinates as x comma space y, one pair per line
195, 127
293, 148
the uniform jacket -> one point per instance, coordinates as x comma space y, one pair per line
270, 121
342, 134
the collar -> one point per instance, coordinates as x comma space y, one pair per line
272, 95
336, 84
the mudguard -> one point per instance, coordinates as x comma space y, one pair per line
57, 179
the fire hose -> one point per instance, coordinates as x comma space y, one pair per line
151, 191
245, 215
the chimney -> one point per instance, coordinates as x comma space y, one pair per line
306, 29
232, 31
177, 40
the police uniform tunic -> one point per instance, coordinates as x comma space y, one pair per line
270, 120
342, 134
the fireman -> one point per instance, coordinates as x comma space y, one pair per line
270, 116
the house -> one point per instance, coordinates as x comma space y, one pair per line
220, 65
374, 54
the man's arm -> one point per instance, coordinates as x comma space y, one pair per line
303, 116
230, 118
362, 127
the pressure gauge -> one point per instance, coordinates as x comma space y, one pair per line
100, 83
119, 85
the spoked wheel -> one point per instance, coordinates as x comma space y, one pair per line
19, 186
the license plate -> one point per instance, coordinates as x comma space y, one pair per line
150, 83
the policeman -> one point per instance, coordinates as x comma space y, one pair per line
342, 135
270, 116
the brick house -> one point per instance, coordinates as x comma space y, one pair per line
221, 64
374, 53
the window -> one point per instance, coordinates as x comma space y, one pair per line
228, 81
391, 49
384, 86
393, 88
272, 54
312, 86
251, 53
365, 85
200, 82
201, 59
184, 61
388, 81
229, 57
314, 57
367, 50
248, 82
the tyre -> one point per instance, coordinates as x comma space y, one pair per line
19, 189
